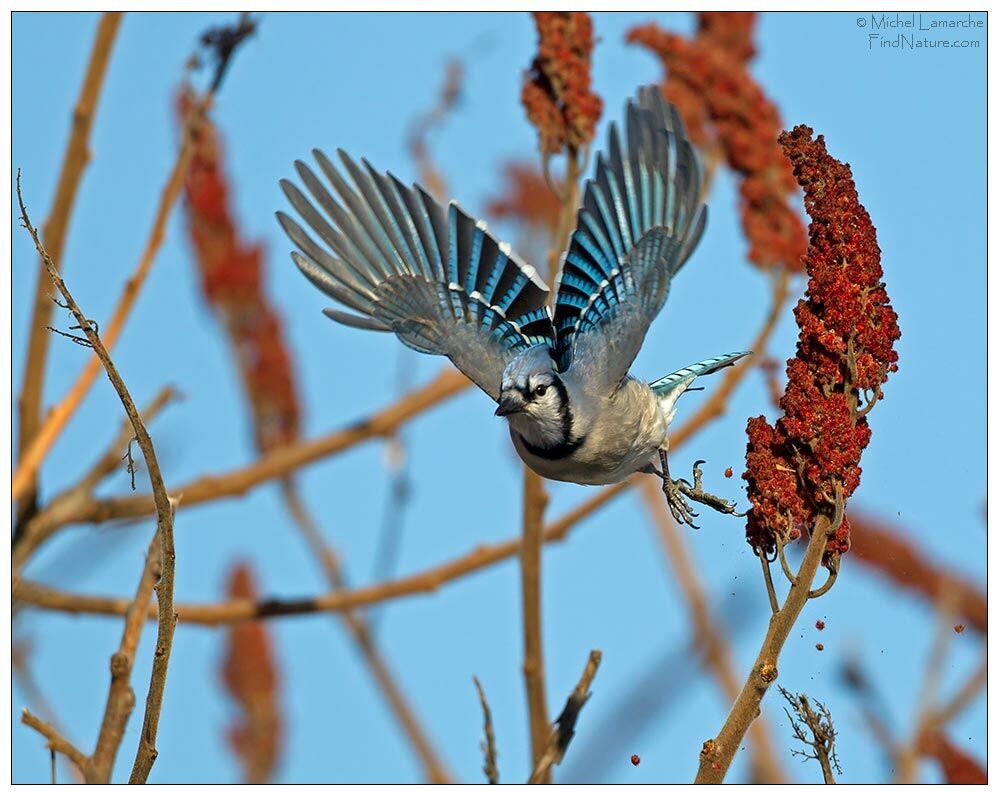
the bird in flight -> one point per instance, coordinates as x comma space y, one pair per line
397, 261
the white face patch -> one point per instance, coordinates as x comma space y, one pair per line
542, 422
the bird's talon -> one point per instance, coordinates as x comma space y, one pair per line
678, 490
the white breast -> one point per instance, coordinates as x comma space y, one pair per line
622, 435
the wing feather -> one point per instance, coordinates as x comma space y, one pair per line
400, 262
640, 219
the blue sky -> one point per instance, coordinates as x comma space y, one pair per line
910, 123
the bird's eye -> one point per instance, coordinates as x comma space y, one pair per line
541, 389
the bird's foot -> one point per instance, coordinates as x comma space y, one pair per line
679, 490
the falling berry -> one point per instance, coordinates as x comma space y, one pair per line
958, 628
820, 625
819, 647
635, 760
728, 472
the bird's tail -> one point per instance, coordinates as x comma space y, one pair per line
670, 387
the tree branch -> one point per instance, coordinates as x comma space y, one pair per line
121, 698
821, 735
490, 769
561, 734
54, 232
75, 498
535, 500
55, 739
164, 509
717, 753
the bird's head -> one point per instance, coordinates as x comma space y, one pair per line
533, 398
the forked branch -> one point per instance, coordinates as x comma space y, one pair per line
164, 511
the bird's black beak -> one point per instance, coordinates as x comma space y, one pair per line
508, 405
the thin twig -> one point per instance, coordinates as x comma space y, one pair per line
569, 202
717, 653
535, 500
121, 697
768, 580
821, 735
825, 587
56, 741
780, 543
561, 733
164, 510
324, 553
70, 500
54, 231
489, 768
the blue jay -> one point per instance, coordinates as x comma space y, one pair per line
444, 285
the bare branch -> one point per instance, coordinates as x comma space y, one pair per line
565, 725
830, 580
490, 769
121, 698
54, 232
535, 500
718, 752
70, 500
56, 741
164, 509
768, 580
821, 735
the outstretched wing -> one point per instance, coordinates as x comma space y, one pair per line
404, 264
640, 220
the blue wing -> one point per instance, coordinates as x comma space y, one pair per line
640, 220
401, 263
